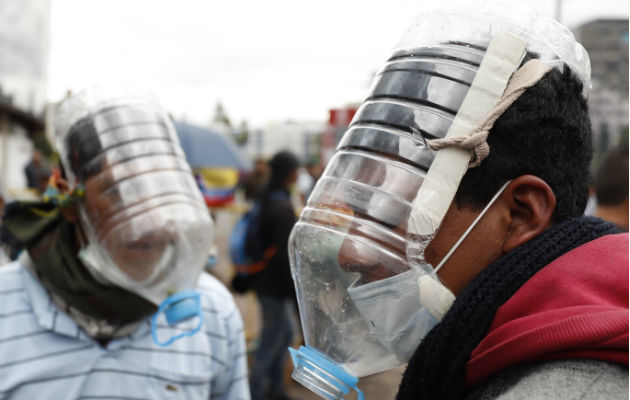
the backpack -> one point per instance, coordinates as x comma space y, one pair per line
249, 255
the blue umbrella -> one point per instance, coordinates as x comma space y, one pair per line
206, 148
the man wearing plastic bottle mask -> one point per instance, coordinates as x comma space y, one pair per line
470, 260
530, 268
110, 278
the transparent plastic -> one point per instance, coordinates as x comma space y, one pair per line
474, 23
145, 223
311, 379
355, 228
316, 372
353, 231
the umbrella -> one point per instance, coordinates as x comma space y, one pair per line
206, 148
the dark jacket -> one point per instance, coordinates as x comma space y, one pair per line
277, 220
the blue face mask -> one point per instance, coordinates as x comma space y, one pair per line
178, 308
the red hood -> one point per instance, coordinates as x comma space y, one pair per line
575, 307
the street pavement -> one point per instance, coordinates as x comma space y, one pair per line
383, 386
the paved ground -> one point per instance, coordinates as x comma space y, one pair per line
383, 386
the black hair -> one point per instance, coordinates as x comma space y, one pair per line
84, 144
611, 178
546, 133
282, 165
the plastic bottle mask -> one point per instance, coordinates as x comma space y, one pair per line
366, 310
147, 228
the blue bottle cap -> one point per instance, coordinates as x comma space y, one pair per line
322, 375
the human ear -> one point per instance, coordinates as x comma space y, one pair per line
531, 203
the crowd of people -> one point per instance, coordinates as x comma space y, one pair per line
447, 233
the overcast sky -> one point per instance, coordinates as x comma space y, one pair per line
264, 60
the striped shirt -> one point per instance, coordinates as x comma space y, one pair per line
45, 355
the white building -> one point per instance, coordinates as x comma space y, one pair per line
24, 39
608, 108
24, 32
300, 137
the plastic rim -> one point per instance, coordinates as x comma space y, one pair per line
322, 375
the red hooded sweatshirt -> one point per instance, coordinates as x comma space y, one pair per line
575, 307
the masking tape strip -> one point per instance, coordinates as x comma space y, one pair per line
504, 55
525, 77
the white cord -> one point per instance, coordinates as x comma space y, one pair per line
470, 228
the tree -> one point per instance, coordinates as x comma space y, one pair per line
220, 116
242, 135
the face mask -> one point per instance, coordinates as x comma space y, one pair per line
393, 312
401, 310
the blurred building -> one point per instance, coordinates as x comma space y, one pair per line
24, 39
19, 130
24, 34
303, 138
606, 41
338, 121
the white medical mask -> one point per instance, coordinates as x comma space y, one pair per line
392, 310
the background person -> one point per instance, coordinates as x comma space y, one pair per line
611, 188
37, 173
256, 180
307, 178
274, 286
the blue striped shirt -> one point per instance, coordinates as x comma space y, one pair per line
45, 355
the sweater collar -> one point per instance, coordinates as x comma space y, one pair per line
584, 316
437, 370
